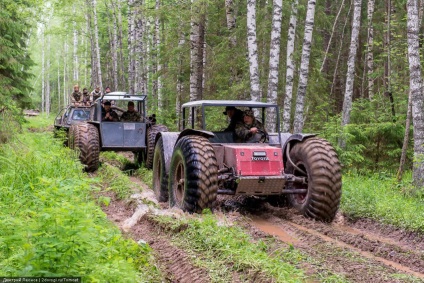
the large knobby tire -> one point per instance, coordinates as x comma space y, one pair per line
152, 131
316, 160
84, 137
160, 174
193, 175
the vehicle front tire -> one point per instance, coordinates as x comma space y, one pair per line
160, 174
316, 160
85, 138
193, 175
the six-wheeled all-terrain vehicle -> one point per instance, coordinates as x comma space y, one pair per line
192, 166
95, 135
69, 116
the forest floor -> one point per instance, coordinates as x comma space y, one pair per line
346, 250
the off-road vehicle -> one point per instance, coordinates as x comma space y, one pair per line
95, 135
192, 166
67, 117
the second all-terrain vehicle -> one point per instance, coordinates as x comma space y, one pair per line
192, 166
97, 134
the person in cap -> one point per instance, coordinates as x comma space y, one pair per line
76, 96
131, 115
108, 114
250, 130
96, 93
235, 115
85, 97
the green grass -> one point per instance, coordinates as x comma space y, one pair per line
381, 198
51, 226
223, 250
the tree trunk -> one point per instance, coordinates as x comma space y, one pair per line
274, 63
138, 47
369, 55
387, 63
43, 72
290, 68
231, 21
350, 76
196, 54
252, 47
405, 139
131, 42
75, 54
304, 67
65, 96
58, 82
48, 78
415, 84
96, 41
115, 49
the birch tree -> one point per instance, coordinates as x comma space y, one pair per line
274, 62
415, 84
48, 78
350, 76
43, 72
96, 41
304, 67
158, 64
231, 21
138, 46
196, 50
290, 67
131, 42
252, 46
369, 54
75, 42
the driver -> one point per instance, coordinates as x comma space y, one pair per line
250, 130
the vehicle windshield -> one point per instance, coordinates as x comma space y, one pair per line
81, 114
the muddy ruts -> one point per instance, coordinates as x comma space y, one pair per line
150, 143
160, 176
318, 159
84, 137
193, 174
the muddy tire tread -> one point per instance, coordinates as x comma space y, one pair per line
150, 143
85, 138
324, 177
160, 176
201, 173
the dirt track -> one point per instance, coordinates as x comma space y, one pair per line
358, 251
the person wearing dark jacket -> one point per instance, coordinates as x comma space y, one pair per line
235, 115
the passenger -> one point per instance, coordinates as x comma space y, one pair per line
85, 97
235, 115
76, 96
131, 115
108, 114
96, 93
250, 130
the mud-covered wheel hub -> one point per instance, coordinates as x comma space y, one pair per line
300, 198
179, 183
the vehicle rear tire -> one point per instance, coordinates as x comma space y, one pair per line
85, 138
150, 143
316, 160
160, 174
193, 175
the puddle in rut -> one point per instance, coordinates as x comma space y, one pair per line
273, 230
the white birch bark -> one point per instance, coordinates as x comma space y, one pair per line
131, 42
96, 41
369, 54
138, 47
196, 53
304, 67
65, 97
158, 59
415, 84
115, 50
350, 75
58, 82
290, 68
75, 53
274, 63
231, 21
48, 78
43, 72
252, 46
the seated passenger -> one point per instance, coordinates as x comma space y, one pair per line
108, 114
131, 115
235, 115
250, 130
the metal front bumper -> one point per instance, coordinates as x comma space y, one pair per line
267, 185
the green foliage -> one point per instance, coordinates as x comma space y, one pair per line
51, 226
230, 247
145, 175
115, 181
380, 197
